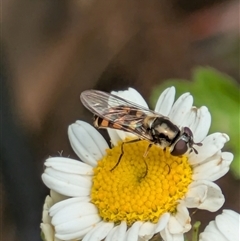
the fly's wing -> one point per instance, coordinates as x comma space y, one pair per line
105, 105
118, 111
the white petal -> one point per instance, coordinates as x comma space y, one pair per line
174, 226
81, 152
131, 95
48, 231
211, 144
45, 216
70, 178
199, 121
132, 233
118, 233
69, 165
211, 233
180, 222
224, 228
57, 239
57, 197
53, 199
110, 234
165, 101
228, 224
65, 188
96, 136
99, 232
202, 124
195, 195
73, 235
78, 224
204, 194
214, 167
123, 135
73, 211
48, 201
113, 134
211, 236
191, 119
212, 227
219, 174
180, 108
232, 215
60, 205
85, 141
167, 236
162, 222
147, 230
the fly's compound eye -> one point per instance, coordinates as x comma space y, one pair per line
179, 148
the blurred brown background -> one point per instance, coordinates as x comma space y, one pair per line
53, 50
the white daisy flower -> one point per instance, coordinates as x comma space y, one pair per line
225, 227
124, 204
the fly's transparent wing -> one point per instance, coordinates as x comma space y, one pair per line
109, 106
120, 113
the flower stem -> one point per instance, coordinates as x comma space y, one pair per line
196, 227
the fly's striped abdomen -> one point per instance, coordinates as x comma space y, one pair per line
121, 118
123, 111
103, 123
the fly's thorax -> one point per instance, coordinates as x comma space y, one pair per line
148, 122
163, 128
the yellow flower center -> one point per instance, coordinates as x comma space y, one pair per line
139, 188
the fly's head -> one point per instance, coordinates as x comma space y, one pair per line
184, 143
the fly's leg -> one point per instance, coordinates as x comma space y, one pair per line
122, 152
119, 159
147, 150
144, 156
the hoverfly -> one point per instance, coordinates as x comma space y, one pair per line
111, 111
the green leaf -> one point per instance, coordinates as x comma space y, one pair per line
220, 93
